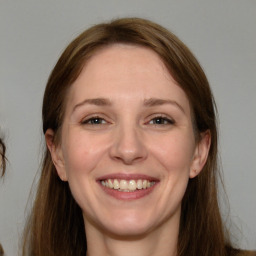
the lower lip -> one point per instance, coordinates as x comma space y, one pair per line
137, 194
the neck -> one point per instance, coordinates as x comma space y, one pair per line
160, 242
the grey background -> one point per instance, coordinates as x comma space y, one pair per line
221, 33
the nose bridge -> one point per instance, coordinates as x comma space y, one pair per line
128, 145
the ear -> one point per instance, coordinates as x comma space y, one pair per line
200, 154
56, 154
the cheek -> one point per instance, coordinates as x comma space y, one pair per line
81, 153
175, 153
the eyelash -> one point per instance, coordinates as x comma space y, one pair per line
163, 120
158, 120
94, 118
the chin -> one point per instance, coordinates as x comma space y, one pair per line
128, 231
128, 226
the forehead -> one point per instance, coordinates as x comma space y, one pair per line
123, 70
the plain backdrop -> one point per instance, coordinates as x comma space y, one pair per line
222, 35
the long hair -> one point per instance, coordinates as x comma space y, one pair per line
55, 226
2, 158
2, 172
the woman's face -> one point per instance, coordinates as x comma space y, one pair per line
127, 144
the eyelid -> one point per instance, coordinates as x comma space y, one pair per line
150, 118
167, 118
86, 119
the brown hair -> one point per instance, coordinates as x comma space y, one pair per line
56, 223
2, 172
2, 158
1, 250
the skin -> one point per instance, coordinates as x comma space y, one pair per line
129, 134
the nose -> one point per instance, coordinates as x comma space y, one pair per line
128, 145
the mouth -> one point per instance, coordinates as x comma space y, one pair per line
128, 187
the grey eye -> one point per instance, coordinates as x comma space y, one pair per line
94, 121
161, 121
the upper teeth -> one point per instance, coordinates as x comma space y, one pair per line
127, 185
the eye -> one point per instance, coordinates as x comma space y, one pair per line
161, 120
94, 121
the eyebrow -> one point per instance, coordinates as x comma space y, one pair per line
151, 102
158, 102
96, 102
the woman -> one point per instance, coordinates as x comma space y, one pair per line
130, 166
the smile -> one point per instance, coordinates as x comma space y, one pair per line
127, 185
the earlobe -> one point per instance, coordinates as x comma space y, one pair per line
56, 154
200, 154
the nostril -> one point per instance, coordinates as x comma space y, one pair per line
128, 159
128, 147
